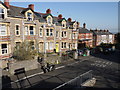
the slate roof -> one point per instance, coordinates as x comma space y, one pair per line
84, 30
15, 11
100, 32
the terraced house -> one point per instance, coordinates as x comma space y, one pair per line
47, 32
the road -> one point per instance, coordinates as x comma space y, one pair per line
105, 70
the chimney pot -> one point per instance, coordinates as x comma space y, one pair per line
6, 2
31, 6
48, 11
60, 16
84, 25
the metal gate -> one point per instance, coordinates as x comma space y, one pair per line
76, 82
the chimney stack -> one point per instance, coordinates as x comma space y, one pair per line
69, 19
48, 11
60, 16
6, 2
31, 6
84, 25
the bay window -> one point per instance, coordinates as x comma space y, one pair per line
29, 15
3, 30
17, 29
31, 30
4, 48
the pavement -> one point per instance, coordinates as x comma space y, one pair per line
29, 74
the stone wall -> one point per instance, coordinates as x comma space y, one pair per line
27, 64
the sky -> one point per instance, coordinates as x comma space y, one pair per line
100, 15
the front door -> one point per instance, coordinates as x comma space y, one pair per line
57, 47
41, 47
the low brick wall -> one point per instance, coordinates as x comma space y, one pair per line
27, 64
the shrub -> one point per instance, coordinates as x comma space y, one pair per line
24, 51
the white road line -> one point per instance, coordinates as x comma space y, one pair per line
42, 72
60, 67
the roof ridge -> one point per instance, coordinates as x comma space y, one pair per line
18, 7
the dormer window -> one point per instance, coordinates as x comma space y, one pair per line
29, 15
49, 20
63, 25
2, 13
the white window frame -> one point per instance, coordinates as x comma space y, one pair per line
31, 30
49, 20
29, 17
51, 32
3, 30
17, 30
2, 13
41, 32
63, 35
4, 50
47, 33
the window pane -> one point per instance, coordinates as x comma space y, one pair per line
40, 32
3, 46
47, 32
31, 30
31, 27
51, 33
17, 27
2, 29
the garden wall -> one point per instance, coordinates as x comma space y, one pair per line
27, 64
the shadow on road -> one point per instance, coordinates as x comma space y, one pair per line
113, 56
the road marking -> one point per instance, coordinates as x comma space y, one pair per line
60, 67
40, 73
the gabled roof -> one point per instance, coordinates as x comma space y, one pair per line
24, 10
45, 16
84, 30
60, 20
3, 4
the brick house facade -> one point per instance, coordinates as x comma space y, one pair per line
85, 37
102, 36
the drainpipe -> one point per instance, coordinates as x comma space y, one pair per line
23, 30
44, 26
54, 36
60, 42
